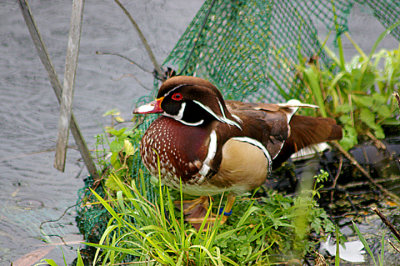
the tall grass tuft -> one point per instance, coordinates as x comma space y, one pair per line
260, 230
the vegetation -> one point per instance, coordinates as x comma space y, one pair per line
359, 93
266, 227
144, 228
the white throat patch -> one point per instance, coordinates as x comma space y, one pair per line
179, 117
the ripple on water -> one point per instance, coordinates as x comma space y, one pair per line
29, 110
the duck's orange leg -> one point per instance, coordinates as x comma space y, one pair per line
198, 213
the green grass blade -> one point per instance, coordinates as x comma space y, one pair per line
382, 257
364, 242
337, 255
79, 259
108, 207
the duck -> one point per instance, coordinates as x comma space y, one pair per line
206, 145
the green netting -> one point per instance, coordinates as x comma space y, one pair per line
249, 49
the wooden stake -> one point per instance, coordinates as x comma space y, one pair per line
71, 63
55, 83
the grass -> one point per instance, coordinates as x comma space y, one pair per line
262, 230
358, 93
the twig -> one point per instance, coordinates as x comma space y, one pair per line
396, 95
135, 78
379, 144
55, 83
126, 58
387, 222
71, 64
339, 170
393, 246
143, 39
389, 194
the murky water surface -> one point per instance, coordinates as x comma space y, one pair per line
32, 191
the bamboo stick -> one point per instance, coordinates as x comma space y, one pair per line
55, 83
71, 63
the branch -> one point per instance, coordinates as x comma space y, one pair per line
387, 223
393, 246
142, 38
389, 194
126, 58
396, 95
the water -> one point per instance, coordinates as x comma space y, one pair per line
32, 191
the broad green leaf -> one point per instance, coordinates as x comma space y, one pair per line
344, 108
119, 119
128, 148
384, 111
116, 146
345, 119
365, 101
367, 117
379, 99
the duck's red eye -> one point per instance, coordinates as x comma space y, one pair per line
177, 96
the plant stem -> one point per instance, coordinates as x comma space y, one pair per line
387, 223
396, 95
393, 246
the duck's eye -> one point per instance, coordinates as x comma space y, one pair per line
177, 96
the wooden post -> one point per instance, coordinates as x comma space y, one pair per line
55, 83
71, 63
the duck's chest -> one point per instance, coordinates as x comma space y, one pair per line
177, 147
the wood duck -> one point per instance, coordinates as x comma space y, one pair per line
217, 146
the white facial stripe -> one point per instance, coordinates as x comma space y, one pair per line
226, 119
192, 124
184, 122
175, 88
181, 111
222, 109
260, 146
237, 118
212, 150
179, 117
221, 119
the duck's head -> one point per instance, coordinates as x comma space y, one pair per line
192, 101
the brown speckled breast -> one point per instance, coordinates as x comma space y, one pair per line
178, 147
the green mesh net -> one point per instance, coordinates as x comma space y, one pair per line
249, 49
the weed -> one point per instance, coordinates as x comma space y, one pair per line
358, 94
